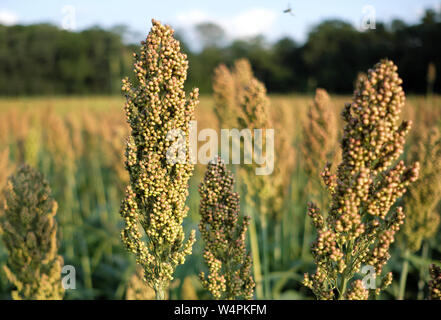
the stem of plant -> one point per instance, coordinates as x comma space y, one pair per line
254, 243
307, 225
342, 290
423, 272
267, 290
306, 237
403, 277
159, 292
345, 278
279, 245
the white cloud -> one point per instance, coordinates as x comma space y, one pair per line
251, 22
244, 24
191, 18
8, 18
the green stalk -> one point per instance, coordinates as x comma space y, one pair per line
288, 230
85, 263
307, 229
100, 188
284, 245
159, 292
278, 245
70, 219
342, 289
264, 224
306, 237
344, 282
403, 277
423, 272
254, 243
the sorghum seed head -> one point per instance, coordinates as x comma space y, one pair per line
155, 197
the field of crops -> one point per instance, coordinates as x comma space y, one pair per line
161, 193
78, 144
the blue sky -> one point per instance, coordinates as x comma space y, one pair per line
239, 18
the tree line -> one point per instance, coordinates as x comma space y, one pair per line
43, 59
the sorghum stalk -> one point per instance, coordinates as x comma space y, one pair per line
154, 206
423, 273
254, 114
225, 97
237, 93
285, 159
224, 236
241, 102
229, 89
29, 232
422, 197
281, 178
61, 156
320, 139
361, 223
320, 135
421, 200
403, 274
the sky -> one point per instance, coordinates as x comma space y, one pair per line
239, 18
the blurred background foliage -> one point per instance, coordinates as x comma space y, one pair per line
43, 59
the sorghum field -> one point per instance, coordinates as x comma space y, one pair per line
78, 144
89, 187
